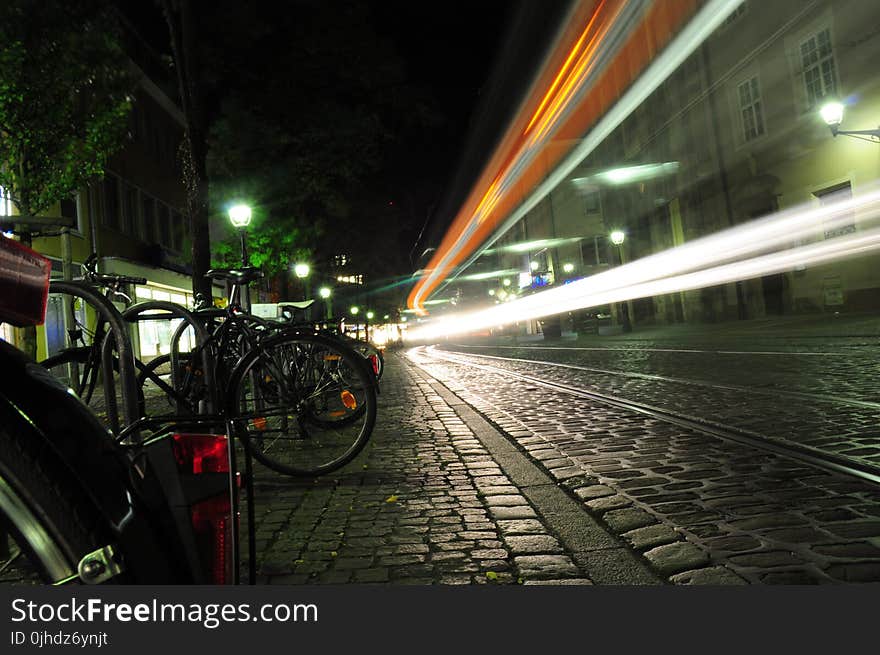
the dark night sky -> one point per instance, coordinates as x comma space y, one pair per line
455, 51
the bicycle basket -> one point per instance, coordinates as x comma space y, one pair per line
24, 284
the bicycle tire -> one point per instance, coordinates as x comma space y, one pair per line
303, 404
52, 527
185, 400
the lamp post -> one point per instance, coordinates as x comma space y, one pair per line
832, 114
325, 293
357, 326
617, 238
302, 271
240, 217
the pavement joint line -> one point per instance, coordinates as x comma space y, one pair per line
582, 535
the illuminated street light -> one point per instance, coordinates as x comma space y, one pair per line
832, 114
370, 315
325, 292
240, 216
618, 237
302, 270
354, 311
568, 268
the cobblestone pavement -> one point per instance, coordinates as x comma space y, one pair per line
424, 503
699, 509
824, 397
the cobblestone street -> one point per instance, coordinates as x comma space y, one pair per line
471, 478
424, 503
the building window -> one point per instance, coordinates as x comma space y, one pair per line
148, 219
70, 209
750, 109
842, 224
594, 251
130, 210
5, 203
164, 219
817, 58
111, 202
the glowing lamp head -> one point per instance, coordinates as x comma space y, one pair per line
618, 237
240, 216
354, 311
832, 113
302, 270
370, 315
568, 268
324, 292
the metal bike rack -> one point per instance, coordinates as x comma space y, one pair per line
117, 336
171, 310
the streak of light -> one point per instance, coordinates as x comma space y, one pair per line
740, 253
691, 36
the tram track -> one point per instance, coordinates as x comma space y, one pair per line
804, 454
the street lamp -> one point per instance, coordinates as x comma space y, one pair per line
832, 114
567, 268
370, 316
354, 311
302, 270
617, 238
240, 217
325, 293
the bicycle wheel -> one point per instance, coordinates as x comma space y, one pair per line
77, 368
303, 404
45, 531
159, 391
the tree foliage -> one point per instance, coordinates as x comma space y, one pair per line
65, 94
305, 126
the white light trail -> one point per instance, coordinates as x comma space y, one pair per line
747, 251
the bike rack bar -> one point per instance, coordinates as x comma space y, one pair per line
136, 313
125, 353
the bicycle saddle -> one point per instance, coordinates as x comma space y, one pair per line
242, 275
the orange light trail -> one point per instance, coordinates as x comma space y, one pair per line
517, 164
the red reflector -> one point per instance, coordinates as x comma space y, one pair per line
375, 362
201, 453
212, 524
24, 284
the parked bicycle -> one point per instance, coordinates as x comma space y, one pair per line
78, 507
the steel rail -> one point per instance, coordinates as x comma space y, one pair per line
790, 450
803, 395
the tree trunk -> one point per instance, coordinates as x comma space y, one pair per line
182, 27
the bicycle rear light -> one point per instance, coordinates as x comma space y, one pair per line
24, 284
374, 360
205, 457
201, 453
212, 524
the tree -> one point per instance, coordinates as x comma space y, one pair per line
64, 98
65, 95
183, 26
